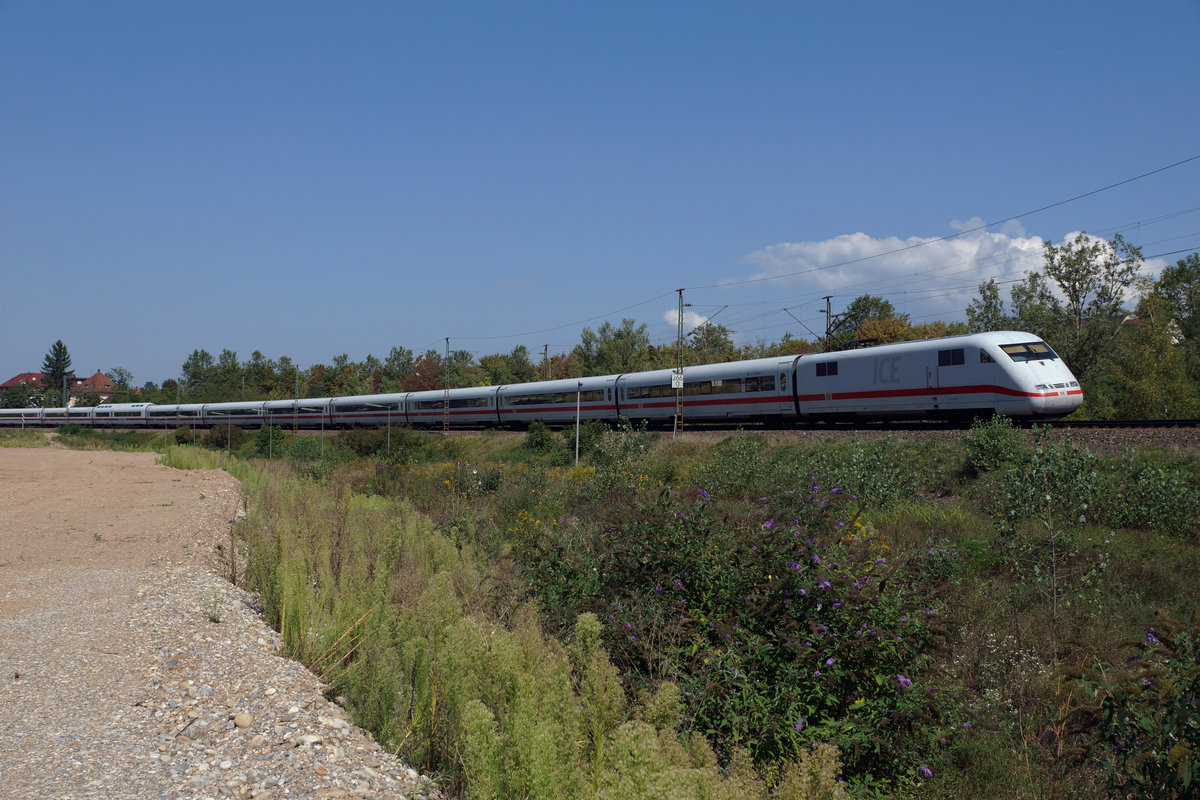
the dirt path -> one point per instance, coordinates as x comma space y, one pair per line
130, 669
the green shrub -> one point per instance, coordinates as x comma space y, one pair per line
365, 441
222, 437
539, 439
618, 456
1151, 721
993, 444
779, 633
1140, 494
269, 441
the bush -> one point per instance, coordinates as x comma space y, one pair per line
1139, 494
365, 441
539, 439
221, 437
269, 441
780, 634
1151, 721
993, 444
618, 455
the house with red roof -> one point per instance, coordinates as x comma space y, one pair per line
98, 383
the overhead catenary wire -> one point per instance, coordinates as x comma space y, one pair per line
970, 264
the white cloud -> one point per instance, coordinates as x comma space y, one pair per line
925, 277
690, 318
858, 261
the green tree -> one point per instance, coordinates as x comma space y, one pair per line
228, 379
867, 307
56, 370
198, 372
260, 376
986, 312
19, 396
609, 350
1093, 275
1145, 372
711, 344
122, 380
499, 368
1179, 288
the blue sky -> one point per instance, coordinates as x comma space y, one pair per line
310, 179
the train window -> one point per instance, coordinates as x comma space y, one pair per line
760, 383
984, 358
1029, 351
951, 358
826, 368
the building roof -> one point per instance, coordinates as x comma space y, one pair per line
98, 383
27, 378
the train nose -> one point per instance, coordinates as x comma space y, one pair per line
1058, 399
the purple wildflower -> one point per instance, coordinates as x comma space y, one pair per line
926, 771
835, 491
904, 682
769, 524
799, 726
829, 662
1150, 637
703, 494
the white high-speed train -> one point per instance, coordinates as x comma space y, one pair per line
1009, 372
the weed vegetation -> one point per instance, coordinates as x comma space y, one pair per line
13, 437
744, 619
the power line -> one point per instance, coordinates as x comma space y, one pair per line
947, 238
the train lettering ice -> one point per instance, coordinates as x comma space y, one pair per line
1006, 372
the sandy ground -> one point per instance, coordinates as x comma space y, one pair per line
65, 510
130, 669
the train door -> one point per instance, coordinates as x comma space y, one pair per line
610, 398
933, 385
783, 390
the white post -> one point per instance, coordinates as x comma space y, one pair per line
578, 395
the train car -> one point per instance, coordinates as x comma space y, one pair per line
472, 406
119, 415
20, 417
368, 410
754, 390
310, 412
242, 414
81, 415
1008, 372
555, 402
184, 415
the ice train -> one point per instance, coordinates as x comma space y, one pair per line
1013, 373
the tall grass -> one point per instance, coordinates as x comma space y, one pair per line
449, 666
16, 437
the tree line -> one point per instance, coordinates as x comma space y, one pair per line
1133, 342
